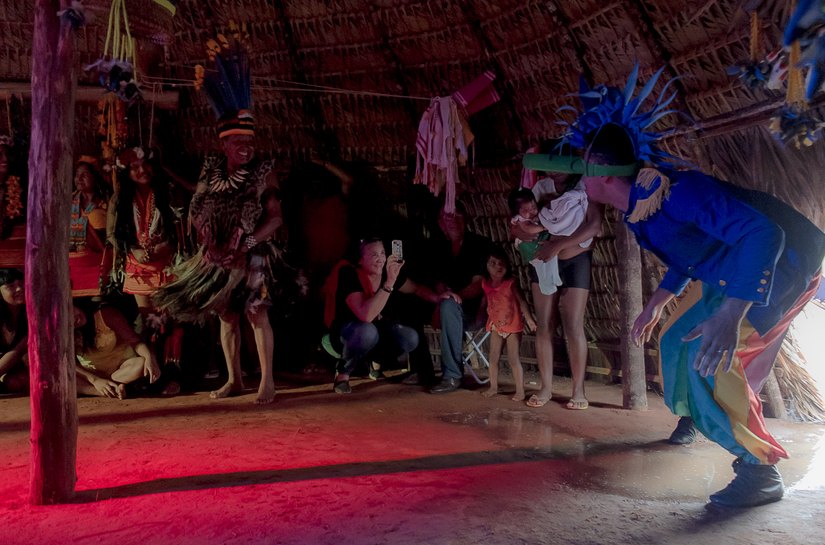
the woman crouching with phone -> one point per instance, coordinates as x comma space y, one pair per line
362, 312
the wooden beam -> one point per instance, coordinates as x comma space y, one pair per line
634, 385
165, 100
48, 297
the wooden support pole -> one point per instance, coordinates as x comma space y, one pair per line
48, 299
774, 396
634, 385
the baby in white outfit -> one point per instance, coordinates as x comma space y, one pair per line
560, 216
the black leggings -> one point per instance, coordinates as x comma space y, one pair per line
574, 272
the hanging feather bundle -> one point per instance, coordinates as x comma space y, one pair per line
228, 86
755, 73
806, 29
795, 125
116, 67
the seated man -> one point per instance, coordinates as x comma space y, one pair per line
458, 259
109, 353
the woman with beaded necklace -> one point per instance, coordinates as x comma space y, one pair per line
87, 230
142, 228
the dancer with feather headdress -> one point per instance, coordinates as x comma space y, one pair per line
236, 212
753, 260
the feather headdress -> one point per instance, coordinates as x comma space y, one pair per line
603, 105
228, 87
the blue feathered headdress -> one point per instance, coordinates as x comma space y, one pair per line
228, 87
602, 105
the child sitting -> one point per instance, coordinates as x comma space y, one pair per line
505, 307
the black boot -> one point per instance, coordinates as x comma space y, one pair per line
685, 432
754, 484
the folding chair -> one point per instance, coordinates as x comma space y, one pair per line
473, 351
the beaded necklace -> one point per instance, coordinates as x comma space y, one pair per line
146, 223
80, 221
14, 204
220, 181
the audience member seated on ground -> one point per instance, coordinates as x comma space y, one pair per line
507, 314
14, 372
109, 353
572, 271
361, 310
87, 230
458, 257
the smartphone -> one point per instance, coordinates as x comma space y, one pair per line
398, 250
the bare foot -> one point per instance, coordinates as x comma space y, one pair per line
518, 396
490, 392
266, 395
121, 391
227, 390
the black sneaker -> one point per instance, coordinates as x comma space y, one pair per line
376, 373
685, 432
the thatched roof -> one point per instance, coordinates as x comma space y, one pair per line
421, 49
536, 49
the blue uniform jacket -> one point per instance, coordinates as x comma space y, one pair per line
746, 243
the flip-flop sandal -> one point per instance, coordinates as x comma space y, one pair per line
577, 405
536, 402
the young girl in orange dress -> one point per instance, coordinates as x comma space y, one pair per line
507, 315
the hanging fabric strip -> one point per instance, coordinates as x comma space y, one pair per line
754, 45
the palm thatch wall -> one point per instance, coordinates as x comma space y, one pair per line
318, 64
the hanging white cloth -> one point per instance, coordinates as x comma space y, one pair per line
442, 142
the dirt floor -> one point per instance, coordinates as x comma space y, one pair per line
393, 464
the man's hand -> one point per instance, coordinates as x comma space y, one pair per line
450, 295
646, 321
720, 337
645, 324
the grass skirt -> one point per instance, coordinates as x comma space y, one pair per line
203, 288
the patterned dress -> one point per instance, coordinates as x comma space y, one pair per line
220, 278
86, 247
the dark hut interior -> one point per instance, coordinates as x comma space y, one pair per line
338, 91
